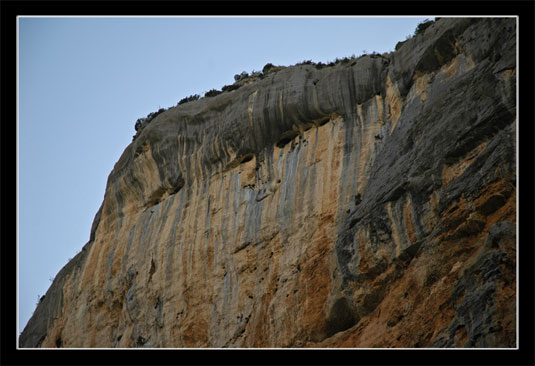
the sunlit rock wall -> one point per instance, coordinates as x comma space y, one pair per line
367, 204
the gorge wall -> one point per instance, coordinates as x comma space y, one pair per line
365, 204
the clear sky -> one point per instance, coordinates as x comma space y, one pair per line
83, 82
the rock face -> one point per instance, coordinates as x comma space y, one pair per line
367, 204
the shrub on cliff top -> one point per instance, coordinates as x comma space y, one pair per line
423, 26
191, 98
153, 115
399, 44
305, 62
230, 87
212, 93
420, 28
343, 61
143, 121
241, 76
139, 122
267, 67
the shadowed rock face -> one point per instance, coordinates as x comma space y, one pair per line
370, 204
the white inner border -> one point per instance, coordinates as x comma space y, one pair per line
517, 71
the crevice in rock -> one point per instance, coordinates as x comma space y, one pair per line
246, 158
323, 121
341, 317
152, 269
164, 192
140, 341
286, 138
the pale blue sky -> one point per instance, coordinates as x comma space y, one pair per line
83, 82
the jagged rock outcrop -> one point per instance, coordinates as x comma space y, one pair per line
367, 204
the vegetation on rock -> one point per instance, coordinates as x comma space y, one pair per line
423, 26
191, 98
212, 93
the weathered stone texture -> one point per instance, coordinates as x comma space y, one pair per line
370, 204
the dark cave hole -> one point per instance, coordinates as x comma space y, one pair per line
286, 138
246, 158
283, 142
342, 317
175, 190
141, 341
324, 121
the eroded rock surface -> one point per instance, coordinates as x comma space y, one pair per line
370, 204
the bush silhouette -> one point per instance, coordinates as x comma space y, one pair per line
230, 87
191, 98
267, 67
423, 26
212, 93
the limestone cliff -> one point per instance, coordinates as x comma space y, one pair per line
367, 204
